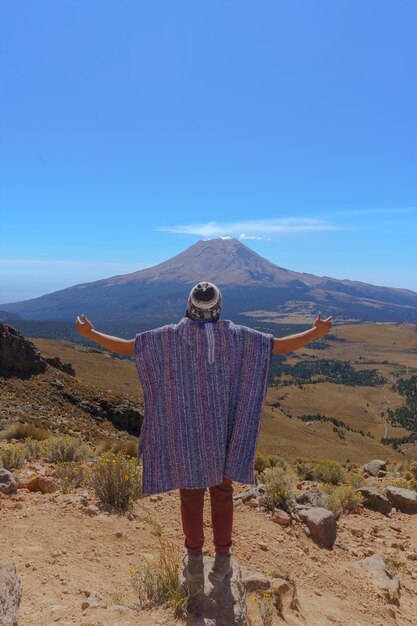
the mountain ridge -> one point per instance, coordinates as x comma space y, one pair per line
249, 283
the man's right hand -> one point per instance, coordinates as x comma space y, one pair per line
323, 326
83, 326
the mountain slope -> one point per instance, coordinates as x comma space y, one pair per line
249, 283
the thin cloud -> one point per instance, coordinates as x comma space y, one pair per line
62, 263
253, 229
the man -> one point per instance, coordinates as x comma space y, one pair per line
204, 382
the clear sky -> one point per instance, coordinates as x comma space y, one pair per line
129, 130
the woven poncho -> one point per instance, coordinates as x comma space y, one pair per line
204, 385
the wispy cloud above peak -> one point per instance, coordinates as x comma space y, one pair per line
253, 229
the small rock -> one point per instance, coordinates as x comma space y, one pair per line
58, 384
280, 517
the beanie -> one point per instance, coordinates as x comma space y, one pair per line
204, 302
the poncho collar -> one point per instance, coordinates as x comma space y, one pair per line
189, 327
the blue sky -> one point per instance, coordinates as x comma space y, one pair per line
130, 130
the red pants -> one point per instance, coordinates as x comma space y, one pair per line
192, 503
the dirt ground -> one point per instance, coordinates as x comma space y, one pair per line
64, 551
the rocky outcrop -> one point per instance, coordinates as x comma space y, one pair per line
321, 524
375, 501
403, 499
124, 415
18, 356
10, 594
59, 365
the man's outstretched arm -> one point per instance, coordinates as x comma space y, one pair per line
295, 342
123, 346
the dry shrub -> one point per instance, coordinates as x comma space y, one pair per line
66, 448
278, 490
23, 431
117, 480
328, 471
158, 583
33, 448
12, 456
129, 448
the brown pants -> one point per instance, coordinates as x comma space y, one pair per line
192, 503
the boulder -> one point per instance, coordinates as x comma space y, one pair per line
8, 484
383, 579
252, 492
18, 356
402, 499
312, 497
375, 467
375, 501
221, 604
321, 523
253, 581
41, 483
10, 594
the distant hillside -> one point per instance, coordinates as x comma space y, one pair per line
251, 286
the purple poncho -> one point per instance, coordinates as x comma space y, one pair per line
204, 385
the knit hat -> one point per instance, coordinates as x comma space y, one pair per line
204, 302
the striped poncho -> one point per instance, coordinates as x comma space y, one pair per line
204, 385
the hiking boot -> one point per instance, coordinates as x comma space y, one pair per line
221, 568
194, 568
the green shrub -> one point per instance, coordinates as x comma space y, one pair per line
329, 471
12, 456
261, 462
355, 480
413, 469
274, 460
116, 480
304, 468
278, 490
72, 473
66, 448
342, 498
266, 606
